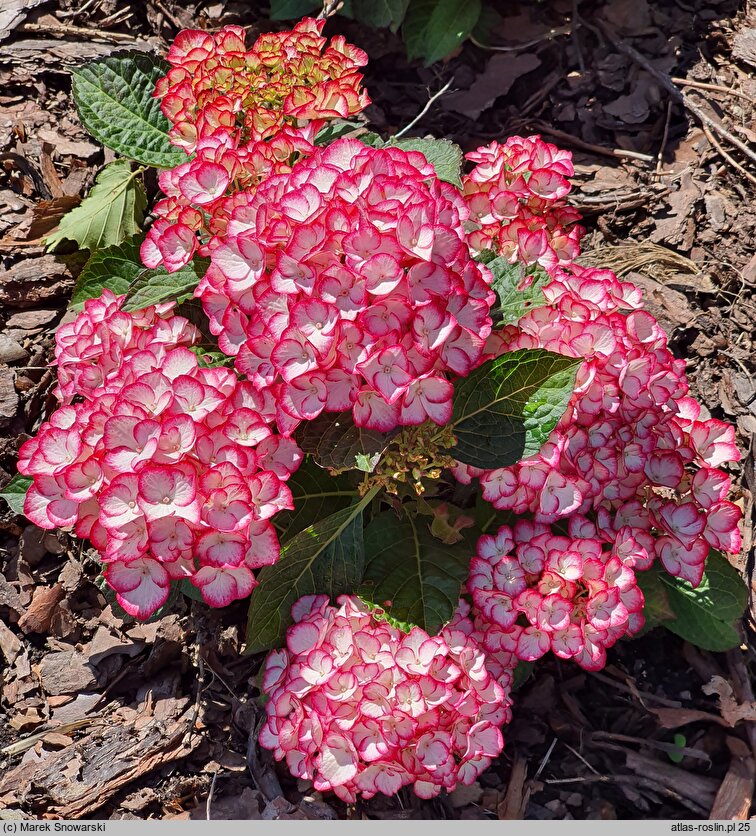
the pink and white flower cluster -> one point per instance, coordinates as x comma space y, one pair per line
516, 195
242, 115
359, 707
347, 285
630, 447
171, 470
534, 591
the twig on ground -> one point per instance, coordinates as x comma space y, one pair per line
705, 85
589, 146
425, 109
665, 136
545, 759
547, 36
81, 31
210, 795
716, 145
620, 686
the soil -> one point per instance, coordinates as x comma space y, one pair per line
158, 720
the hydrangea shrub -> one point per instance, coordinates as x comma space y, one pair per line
374, 327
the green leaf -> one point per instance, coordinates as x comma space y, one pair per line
708, 615
114, 268
110, 213
380, 13
505, 409
291, 9
656, 608
155, 286
335, 129
434, 28
14, 493
335, 442
680, 742
412, 576
522, 673
326, 558
442, 154
316, 495
518, 290
113, 96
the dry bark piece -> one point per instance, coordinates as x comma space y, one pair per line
744, 46
10, 350
735, 794
39, 613
66, 672
35, 280
82, 777
31, 320
10, 645
14, 12
8, 395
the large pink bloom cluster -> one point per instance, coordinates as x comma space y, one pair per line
359, 707
535, 591
516, 196
242, 115
630, 447
171, 470
347, 285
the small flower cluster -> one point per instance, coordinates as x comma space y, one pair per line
216, 85
535, 591
347, 285
359, 707
516, 195
171, 470
630, 446
243, 115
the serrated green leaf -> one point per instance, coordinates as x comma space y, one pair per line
334, 441
153, 287
380, 13
112, 212
316, 494
505, 409
434, 28
292, 9
114, 268
14, 493
326, 558
707, 616
518, 290
442, 154
113, 97
411, 575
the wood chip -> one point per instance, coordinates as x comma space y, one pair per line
10, 645
8, 395
735, 794
39, 613
35, 280
31, 320
78, 780
66, 672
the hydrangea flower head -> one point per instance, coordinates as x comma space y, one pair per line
171, 470
347, 285
359, 707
